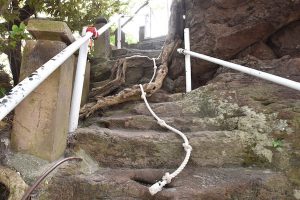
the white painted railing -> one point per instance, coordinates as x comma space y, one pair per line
263, 75
24, 88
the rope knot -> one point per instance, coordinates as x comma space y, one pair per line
167, 177
93, 30
143, 96
187, 147
161, 123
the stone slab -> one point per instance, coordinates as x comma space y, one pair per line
141, 149
41, 121
193, 183
50, 30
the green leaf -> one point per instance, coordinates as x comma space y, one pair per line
22, 26
2, 92
277, 143
15, 28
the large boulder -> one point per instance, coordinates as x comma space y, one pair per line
224, 28
287, 41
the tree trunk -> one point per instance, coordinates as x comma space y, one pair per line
134, 92
15, 59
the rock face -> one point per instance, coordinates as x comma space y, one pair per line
199, 184
286, 41
223, 29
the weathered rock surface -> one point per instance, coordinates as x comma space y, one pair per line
287, 41
194, 183
149, 44
141, 149
122, 53
13, 182
223, 29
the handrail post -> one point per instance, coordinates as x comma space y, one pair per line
119, 36
188, 71
78, 86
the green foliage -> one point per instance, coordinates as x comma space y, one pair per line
2, 92
278, 143
130, 39
112, 39
80, 13
76, 14
18, 33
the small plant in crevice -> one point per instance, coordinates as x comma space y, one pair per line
278, 143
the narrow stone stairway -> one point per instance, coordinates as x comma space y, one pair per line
125, 151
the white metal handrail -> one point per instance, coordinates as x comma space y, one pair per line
25, 87
263, 75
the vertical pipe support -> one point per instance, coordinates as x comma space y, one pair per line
188, 71
119, 36
78, 86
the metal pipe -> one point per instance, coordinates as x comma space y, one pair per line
42, 177
24, 88
266, 76
78, 86
188, 70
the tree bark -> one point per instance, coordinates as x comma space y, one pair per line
15, 60
15, 54
134, 92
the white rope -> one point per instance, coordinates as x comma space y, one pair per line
167, 178
155, 68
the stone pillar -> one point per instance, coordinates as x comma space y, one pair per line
102, 47
102, 52
40, 125
142, 34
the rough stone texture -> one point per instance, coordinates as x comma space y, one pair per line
139, 70
13, 182
102, 48
259, 50
100, 69
29, 167
233, 109
194, 183
287, 41
41, 121
122, 53
50, 30
149, 44
223, 28
140, 149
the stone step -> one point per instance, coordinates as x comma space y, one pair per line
69, 183
122, 53
156, 149
148, 122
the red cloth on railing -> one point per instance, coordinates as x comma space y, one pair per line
93, 30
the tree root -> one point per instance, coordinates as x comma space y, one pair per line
134, 92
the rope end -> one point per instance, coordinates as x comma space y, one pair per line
180, 51
155, 188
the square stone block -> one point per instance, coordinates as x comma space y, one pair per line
40, 125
